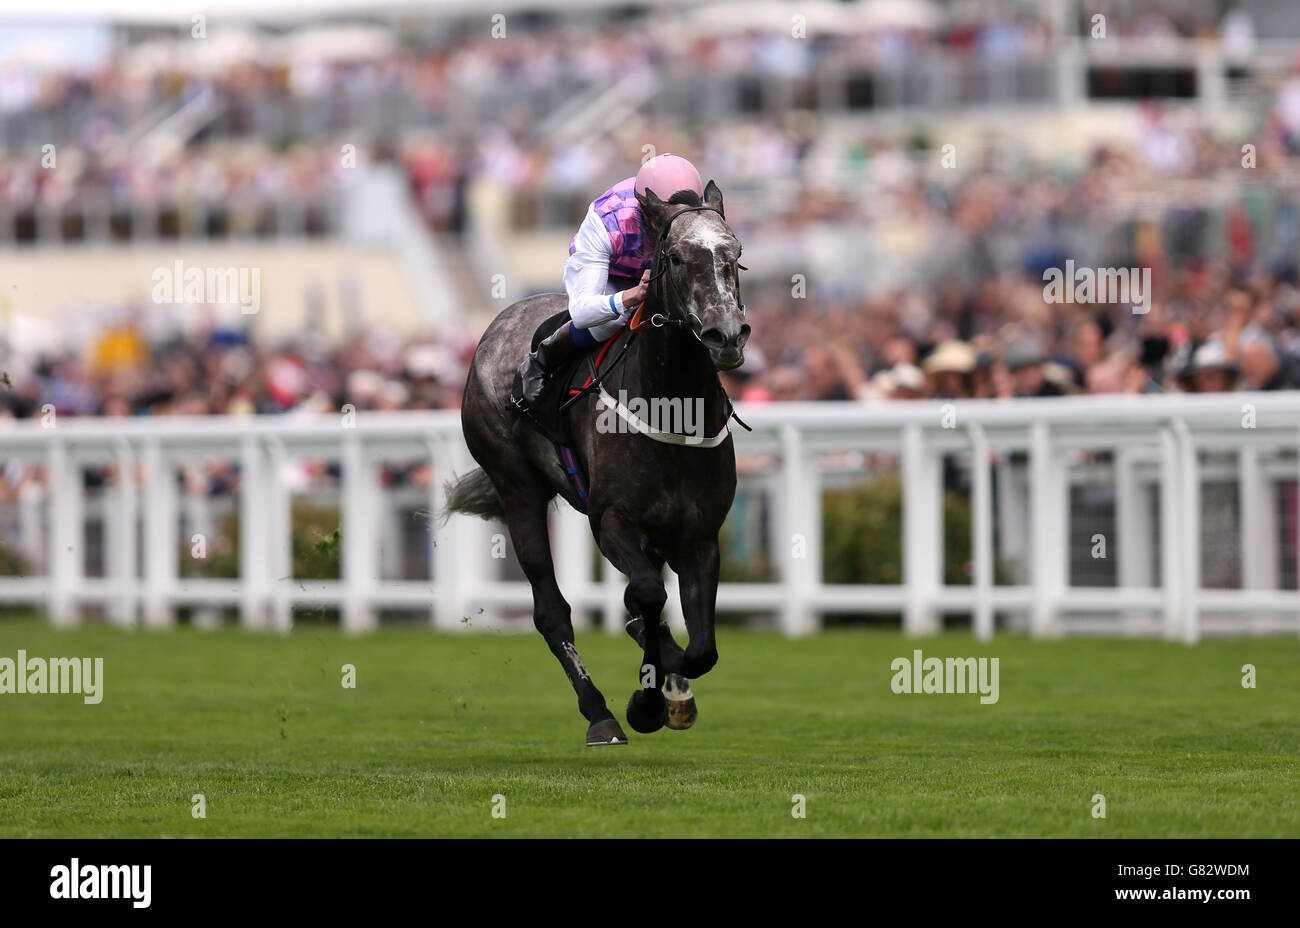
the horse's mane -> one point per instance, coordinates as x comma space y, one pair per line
680, 198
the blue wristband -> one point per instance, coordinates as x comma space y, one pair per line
612, 307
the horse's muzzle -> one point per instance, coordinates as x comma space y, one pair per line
726, 345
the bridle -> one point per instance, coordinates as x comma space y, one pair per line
659, 320
662, 262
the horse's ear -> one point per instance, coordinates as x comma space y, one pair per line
654, 212
713, 197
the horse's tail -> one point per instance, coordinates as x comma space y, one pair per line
473, 495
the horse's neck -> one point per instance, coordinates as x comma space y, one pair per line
671, 362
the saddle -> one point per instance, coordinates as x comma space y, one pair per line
547, 416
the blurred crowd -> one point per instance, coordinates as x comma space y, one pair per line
970, 314
442, 60
1245, 336
125, 370
1204, 332
248, 173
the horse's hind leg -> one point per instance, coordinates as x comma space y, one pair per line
526, 520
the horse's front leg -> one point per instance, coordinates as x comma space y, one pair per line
670, 652
697, 571
622, 541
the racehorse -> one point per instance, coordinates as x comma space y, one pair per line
654, 498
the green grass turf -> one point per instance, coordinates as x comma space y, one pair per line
439, 724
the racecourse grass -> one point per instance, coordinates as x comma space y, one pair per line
439, 724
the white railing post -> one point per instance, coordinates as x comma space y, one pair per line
922, 532
439, 471
443, 553
465, 552
254, 536
813, 560
160, 535
1259, 535
1013, 519
479, 571
1048, 496
359, 533
392, 545
800, 507
1172, 528
279, 536
981, 524
1191, 541
32, 537
67, 554
198, 519
1134, 541
1132, 544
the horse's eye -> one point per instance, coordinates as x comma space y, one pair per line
675, 258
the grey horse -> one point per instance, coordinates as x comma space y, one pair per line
653, 499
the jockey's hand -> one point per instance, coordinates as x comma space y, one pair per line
635, 296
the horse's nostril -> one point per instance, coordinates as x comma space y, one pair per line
713, 338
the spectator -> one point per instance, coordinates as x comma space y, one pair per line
1262, 364
950, 368
1210, 370
1027, 363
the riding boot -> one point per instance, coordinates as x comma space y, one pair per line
551, 354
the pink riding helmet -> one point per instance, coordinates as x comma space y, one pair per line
666, 174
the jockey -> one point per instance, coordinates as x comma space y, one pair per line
608, 270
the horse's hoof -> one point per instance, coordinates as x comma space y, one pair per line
681, 702
635, 629
605, 732
647, 711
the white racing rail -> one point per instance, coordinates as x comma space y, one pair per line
1160, 449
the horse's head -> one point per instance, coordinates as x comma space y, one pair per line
696, 271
